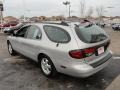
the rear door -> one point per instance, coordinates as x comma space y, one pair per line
58, 43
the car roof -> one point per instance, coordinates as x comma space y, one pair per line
61, 23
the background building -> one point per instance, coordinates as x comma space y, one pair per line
1, 12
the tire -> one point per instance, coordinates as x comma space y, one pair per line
10, 49
47, 67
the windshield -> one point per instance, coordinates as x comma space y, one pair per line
90, 33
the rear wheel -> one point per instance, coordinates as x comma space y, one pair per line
47, 67
10, 49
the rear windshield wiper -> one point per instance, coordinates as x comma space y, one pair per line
89, 25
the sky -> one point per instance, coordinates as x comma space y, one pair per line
31, 8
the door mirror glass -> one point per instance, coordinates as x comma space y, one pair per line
38, 37
14, 33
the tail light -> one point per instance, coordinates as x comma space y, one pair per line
78, 54
90, 51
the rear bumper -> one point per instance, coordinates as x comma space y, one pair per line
85, 70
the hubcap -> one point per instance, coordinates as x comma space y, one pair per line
46, 67
10, 48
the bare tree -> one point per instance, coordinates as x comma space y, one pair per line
100, 12
82, 8
90, 12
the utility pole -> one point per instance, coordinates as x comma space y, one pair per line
67, 3
69, 10
24, 9
1, 13
110, 7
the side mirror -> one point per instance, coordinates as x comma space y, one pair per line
38, 36
11, 32
14, 33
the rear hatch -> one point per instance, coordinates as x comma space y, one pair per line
95, 42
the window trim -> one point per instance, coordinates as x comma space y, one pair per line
68, 35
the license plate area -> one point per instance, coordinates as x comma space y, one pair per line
100, 50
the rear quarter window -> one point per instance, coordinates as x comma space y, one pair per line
57, 34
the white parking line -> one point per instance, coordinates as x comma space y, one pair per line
111, 52
116, 57
7, 59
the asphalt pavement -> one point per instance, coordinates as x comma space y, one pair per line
20, 73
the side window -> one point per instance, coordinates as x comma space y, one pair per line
22, 32
57, 34
34, 33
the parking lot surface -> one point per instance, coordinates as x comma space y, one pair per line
20, 73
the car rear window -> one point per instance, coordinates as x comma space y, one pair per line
90, 33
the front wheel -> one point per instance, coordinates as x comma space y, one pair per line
47, 67
10, 49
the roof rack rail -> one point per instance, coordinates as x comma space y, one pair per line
57, 22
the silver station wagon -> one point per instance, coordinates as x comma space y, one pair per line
79, 49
